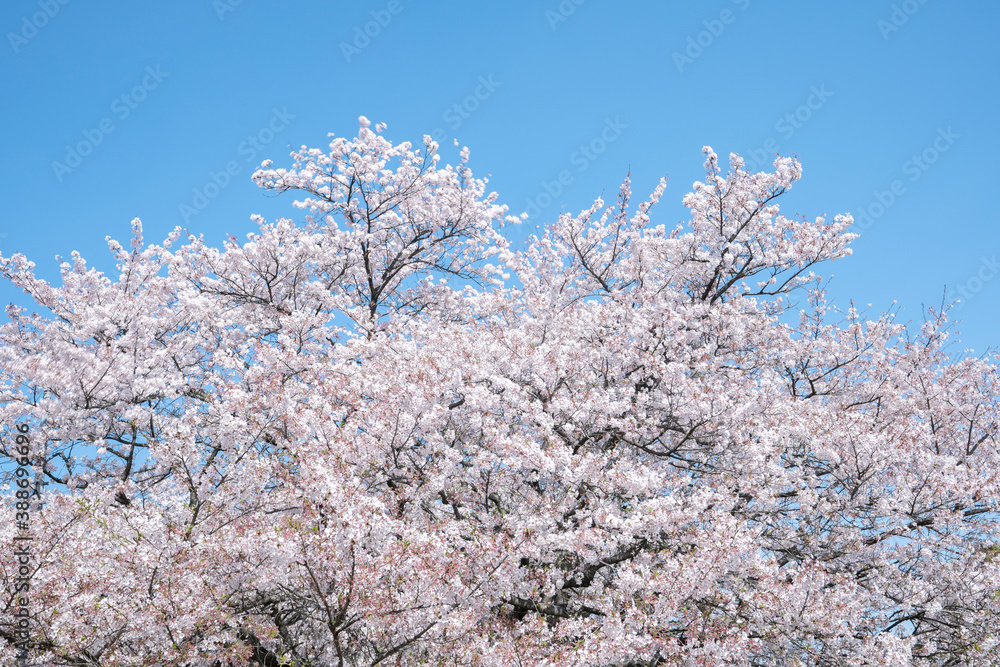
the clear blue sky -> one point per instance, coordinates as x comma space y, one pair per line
871, 95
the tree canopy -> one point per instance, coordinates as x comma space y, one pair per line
382, 435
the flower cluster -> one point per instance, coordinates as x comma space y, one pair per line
383, 436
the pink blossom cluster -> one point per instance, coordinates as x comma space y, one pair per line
382, 436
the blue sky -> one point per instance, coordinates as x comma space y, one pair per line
890, 106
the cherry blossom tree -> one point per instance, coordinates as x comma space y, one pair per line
383, 436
